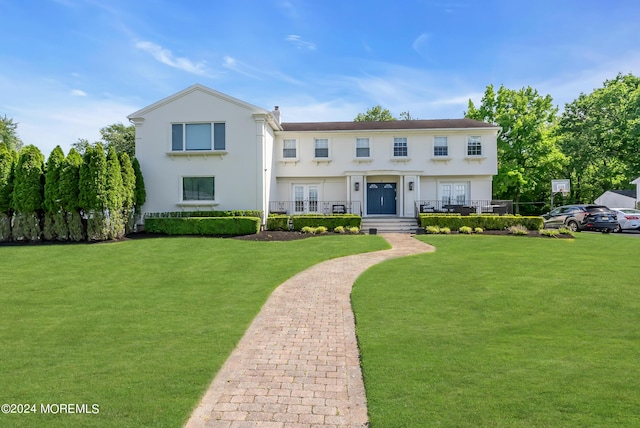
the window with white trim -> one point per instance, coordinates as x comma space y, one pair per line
440, 147
321, 148
474, 145
289, 150
198, 136
198, 188
362, 148
400, 147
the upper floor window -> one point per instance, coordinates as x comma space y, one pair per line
440, 146
400, 147
289, 149
198, 188
362, 148
474, 145
321, 148
197, 136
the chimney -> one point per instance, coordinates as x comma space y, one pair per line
276, 114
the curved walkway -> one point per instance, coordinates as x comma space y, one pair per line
298, 363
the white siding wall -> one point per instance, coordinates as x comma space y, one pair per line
237, 174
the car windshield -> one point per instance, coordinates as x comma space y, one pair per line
597, 208
630, 211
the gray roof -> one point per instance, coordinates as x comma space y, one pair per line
391, 125
628, 193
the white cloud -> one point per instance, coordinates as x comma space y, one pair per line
166, 57
420, 44
233, 64
78, 93
299, 43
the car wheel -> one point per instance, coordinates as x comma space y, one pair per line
573, 226
617, 229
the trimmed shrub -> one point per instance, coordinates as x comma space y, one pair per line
69, 191
478, 230
320, 230
128, 191
219, 226
278, 222
486, 222
550, 232
307, 229
28, 194
93, 192
518, 229
55, 225
432, 229
445, 230
328, 221
114, 196
466, 229
339, 229
354, 230
181, 214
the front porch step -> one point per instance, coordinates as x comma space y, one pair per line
390, 224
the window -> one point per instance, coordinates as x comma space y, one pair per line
440, 146
474, 146
400, 147
197, 136
289, 149
322, 148
198, 188
362, 148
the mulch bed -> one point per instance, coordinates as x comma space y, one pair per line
266, 235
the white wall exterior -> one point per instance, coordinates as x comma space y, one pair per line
615, 200
251, 171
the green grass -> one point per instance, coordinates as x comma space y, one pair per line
138, 327
503, 332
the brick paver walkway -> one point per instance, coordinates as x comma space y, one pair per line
298, 363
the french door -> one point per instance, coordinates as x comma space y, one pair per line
454, 193
305, 198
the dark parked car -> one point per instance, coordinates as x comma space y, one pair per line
582, 217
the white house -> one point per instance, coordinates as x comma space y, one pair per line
618, 199
200, 149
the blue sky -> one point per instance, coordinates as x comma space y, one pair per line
70, 67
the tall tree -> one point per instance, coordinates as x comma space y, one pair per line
55, 225
69, 195
375, 114
128, 191
114, 191
122, 138
528, 155
28, 194
600, 134
9, 133
93, 189
8, 161
141, 193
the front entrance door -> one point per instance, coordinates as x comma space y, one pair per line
381, 198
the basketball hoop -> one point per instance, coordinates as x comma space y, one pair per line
560, 186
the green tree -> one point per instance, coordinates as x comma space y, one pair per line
28, 194
128, 191
55, 225
141, 193
122, 138
528, 154
9, 133
114, 195
8, 161
93, 192
82, 145
406, 115
69, 195
600, 134
375, 114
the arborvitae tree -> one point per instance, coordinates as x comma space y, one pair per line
69, 189
128, 191
114, 195
8, 161
55, 226
141, 193
28, 194
93, 189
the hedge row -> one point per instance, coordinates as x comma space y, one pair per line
281, 221
203, 225
180, 214
328, 221
486, 222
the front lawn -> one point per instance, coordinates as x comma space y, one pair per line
138, 327
503, 332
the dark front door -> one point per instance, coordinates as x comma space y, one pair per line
381, 198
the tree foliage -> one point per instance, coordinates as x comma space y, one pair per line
122, 138
128, 191
600, 134
93, 192
69, 188
375, 114
9, 133
528, 156
141, 193
54, 223
8, 161
113, 201
28, 194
